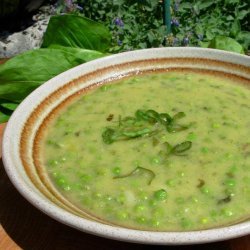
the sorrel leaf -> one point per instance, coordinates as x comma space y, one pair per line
22, 74
226, 43
77, 32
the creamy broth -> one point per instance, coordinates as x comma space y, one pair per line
191, 174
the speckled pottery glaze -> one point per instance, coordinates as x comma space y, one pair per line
27, 122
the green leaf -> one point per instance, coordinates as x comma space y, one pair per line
3, 117
22, 74
235, 28
77, 32
226, 43
205, 4
244, 38
242, 14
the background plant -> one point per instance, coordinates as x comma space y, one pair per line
136, 24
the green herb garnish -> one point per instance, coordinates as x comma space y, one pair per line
178, 149
143, 124
139, 171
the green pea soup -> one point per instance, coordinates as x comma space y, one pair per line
166, 151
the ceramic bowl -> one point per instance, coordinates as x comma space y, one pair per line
20, 136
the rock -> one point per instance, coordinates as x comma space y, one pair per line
30, 38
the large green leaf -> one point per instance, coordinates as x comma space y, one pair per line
22, 74
78, 32
226, 43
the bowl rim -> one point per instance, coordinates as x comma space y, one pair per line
13, 168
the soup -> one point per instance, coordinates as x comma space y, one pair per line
166, 151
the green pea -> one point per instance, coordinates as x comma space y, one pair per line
122, 215
214, 214
158, 212
139, 208
215, 125
141, 220
87, 201
155, 223
153, 203
227, 212
60, 182
186, 223
55, 174
121, 199
104, 88
53, 163
204, 220
143, 196
160, 195
116, 170
156, 160
191, 136
194, 199
229, 182
171, 182
205, 190
97, 195
86, 178
204, 150
181, 174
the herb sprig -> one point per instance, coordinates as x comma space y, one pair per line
139, 171
143, 124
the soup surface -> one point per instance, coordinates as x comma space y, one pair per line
160, 151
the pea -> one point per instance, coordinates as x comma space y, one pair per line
143, 196
153, 203
55, 174
205, 190
215, 125
160, 195
53, 163
122, 215
186, 223
156, 160
139, 208
116, 170
155, 223
204, 150
181, 174
60, 182
97, 195
86, 178
227, 212
171, 182
158, 212
141, 220
229, 182
108, 198
87, 201
104, 88
191, 136
194, 199
204, 220
121, 199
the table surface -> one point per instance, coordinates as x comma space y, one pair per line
25, 227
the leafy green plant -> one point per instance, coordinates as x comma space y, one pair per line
77, 32
136, 24
198, 22
22, 74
